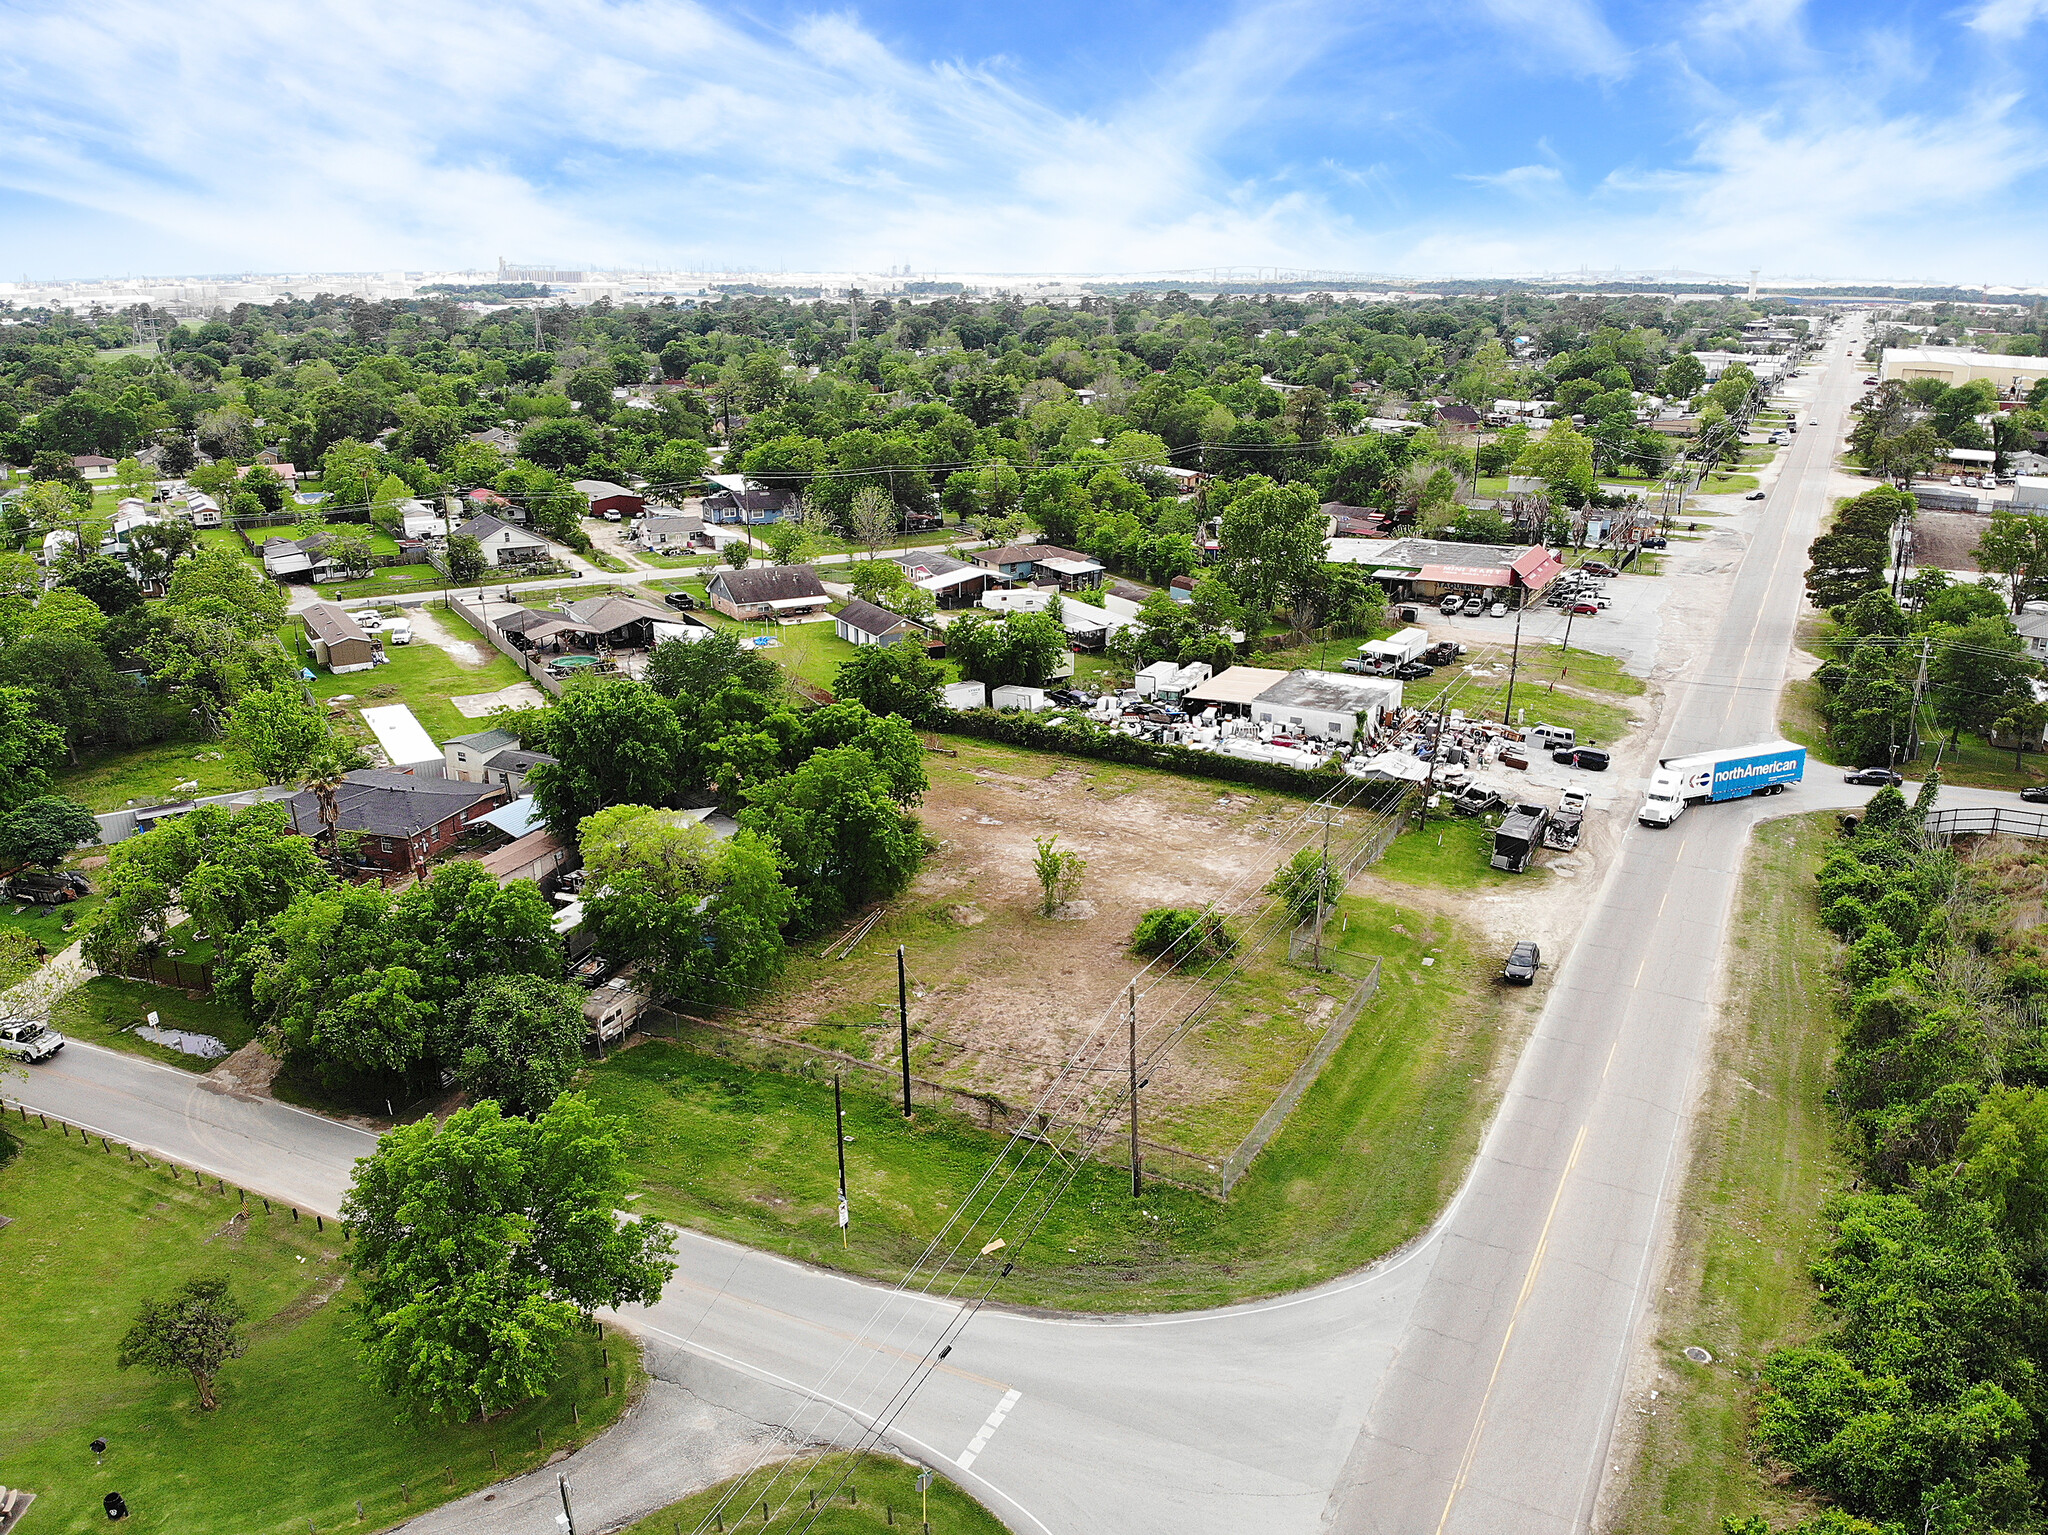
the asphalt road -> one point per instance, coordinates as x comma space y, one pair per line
1468, 1384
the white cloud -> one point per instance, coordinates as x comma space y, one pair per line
1571, 30
2007, 19
1522, 180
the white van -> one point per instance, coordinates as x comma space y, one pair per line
1551, 738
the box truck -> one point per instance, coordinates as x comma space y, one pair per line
1397, 649
1767, 767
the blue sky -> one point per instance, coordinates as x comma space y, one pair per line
1473, 137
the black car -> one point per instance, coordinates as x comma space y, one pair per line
1523, 963
2037, 795
1413, 671
1882, 778
682, 602
1068, 698
1582, 757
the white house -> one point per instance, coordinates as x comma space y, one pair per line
2033, 628
502, 543
863, 623
91, 466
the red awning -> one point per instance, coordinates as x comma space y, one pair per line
1536, 568
1464, 575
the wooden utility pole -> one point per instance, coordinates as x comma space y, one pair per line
903, 1022
839, 1138
1137, 1168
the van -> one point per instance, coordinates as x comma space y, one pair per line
1551, 737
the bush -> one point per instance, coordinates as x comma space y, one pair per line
1183, 937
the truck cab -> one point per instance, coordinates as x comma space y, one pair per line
1663, 801
27, 1040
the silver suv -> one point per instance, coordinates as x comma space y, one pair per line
27, 1040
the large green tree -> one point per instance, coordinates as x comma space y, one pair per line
615, 742
479, 1243
1273, 540
1000, 649
517, 1039
896, 679
837, 823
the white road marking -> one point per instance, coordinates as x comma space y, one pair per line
995, 1421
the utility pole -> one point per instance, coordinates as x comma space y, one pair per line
839, 1139
853, 317
568, 1517
1137, 1168
1919, 687
903, 1023
1507, 713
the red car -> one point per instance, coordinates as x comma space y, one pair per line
1586, 609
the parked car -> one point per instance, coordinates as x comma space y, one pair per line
1585, 607
1069, 698
27, 1040
2036, 795
682, 602
1412, 671
1593, 761
1443, 652
1875, 776
398, 632
1955, 479
1475, 799
1599, 568
369, 623
1498, 610
1474, 606
1524, 960
1755, 495
1450, 605
614, 515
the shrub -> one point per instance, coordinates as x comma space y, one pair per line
1183, 937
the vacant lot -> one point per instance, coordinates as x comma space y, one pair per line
299, 1435
1948, 539
1002, 995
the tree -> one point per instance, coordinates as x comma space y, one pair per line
465, 559
29, 747
681, 671
1487, 377
325, 773
1977, 668
1308, 883
1020, 648
872, 518
222, 573
1273, 540
1563, 458
615, 742
1683, 378
1845, 566
192, 1333
838, 825
517, 1039
790, 541
1183, 937
894, 679
2015, 546
277, 731
591, 388
106, 582
701, 916
1901, 456
986, 397
354, 555
44, 831
478, 1243
560, 443
1058, 871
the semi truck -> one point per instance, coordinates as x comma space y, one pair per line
1765, 767
1518, 836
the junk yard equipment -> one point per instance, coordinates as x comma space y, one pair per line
1767, 767
1566, 821
1518, 836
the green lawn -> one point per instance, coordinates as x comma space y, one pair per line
813, 652
1363, 1164
423, 676
854, 1494
146, 775
380, 542
105, 1007
1449, 852
1749, 1221
299, 1435
53, 927
675, 561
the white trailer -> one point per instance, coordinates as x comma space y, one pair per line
1397, 649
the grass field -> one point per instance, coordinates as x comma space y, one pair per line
1365, 1161
299, 1435
105, 1007
1450, 852
53, 927
854, 1495
1749, 1221
145, 775
380, 542
423, 676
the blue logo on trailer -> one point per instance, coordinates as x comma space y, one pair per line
1748, 774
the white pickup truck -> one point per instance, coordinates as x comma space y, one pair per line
27, 1040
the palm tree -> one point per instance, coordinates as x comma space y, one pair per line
326, 771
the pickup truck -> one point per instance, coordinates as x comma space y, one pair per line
27, 1040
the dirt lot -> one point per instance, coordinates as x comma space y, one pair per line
1002, 995
1948, 539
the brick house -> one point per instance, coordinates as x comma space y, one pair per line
404, 820
768, 591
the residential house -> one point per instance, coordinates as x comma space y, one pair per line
338, 642
490, 756
537, 856
289, 473
952, 583
55, 542
402, 820
1041, 565
621, 622
738, 499
668, 531
1460, 420
503, 544
605, 497
196, 507
483, 500
2033, 628
768, 591
91, 466
307, 559
863, 623
418, 520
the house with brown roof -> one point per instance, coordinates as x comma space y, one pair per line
768, 591
1041, 565
338, 642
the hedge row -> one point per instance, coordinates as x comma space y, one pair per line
1077, 739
